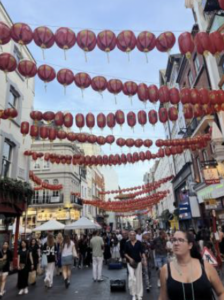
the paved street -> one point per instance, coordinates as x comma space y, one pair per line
82, 287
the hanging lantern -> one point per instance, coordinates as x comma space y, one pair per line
148, 143
52, 134
123, 159
174, 96
90, 121
86, 39
185, 96
130, 89
105, 160
68, 120
221, 4
194, 96
153, 93
91, 139
165, 41
101, 121
121, 142
167, 151
160, 143
131, 119
43, 37
82, 80
7, 63
59, 119
148, 155
203, 96
110, 139
36, 116
27, 68
135, 157
44, 132
34, 131
221, 96
142, 118
46, 74
198, 112
186, 44
65, 77
126, 41
65, 38
5, 35
163, 115
139, 143
101, 140
164, 94
213, 97
188, 112
143, 93
21, 33
106, 41
82, 138
153, 117
71, 136
217, 43
48, 116
24, 129
130, 143
120, 117
10, 113
146, 42
202, 43
207, 109
99, 84
99, 160
115, 86
111, 121
80, 121
173, 114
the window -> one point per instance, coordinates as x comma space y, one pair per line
46, 164
197, 64
6, 158
13, 98
36, 165
46, 194
199, 169
17, 54
190, 78
55, 193
205, 155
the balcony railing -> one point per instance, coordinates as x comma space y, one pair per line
75, 200
47, 200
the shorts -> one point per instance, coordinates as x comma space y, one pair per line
160, 260
67, 260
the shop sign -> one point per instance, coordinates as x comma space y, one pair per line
211, 192
211, 175
210, 204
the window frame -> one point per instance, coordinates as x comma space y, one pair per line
190, 75
7, 159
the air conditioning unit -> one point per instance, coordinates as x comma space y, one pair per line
54, 199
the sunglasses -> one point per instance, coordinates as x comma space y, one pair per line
179, 240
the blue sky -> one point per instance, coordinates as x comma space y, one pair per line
156, 16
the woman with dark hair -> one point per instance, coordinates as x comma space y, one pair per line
50, 249
188, 277
6, 261
34, 257
23, 268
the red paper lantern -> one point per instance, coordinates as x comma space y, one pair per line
221, 4
21, 33
10, 113
115, 86
101, 140
203, 96
36, 116
82, 80
131, 119
48, 116
186, 44
174, 96
153, 93
194, 96
27, 68
111, 121
99, 84
198, 112
52, 134
221, 96
213, 97
173, 114
34, 131
165, 41
82, 137
46, 73
25, 127
44, 132
130, 89
188, 112
130, 143
65, 38
143, 93
146, 42
80, 121
105, 160
5, 35
135, 158
43, 37
139, 143
90, 121
129, 158
153, 117
68, 120
202, 43
126, 41
148, 143
106, 40
92, 139
120, 142
123, 159
59, 119
217, 42
65, 77
163, 115
161, 153
164, 94
7, 63
110, 139
185, 96
142, 118
101, 121
61, 134
167, 151
71, 136
119, 117
86, 39
148, 155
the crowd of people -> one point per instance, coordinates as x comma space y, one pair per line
175, 256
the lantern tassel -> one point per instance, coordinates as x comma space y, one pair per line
65, 56
146, 57
108, 57
133, 129
6, 77
82, 93
45, 87
85, 56
27, 82
145, 103
65, 90
128, 56
101, 94
43, 54
121, 127
143, 127
131, 99
115, 98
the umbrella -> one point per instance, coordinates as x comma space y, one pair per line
82, 223
21, 229
50, 226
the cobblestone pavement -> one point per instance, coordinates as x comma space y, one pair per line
82, 287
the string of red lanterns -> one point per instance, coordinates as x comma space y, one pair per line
128, 215
8, 114
42, 184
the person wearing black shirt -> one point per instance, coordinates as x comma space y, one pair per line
35, 255
134, 254
6, 259
50, 249
123, 244
23, 268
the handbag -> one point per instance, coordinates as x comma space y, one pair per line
134, 265
74, 252
32, 277
22, 266
118, 285
44, 261
2, 264
40, 270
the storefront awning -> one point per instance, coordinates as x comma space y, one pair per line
213, 191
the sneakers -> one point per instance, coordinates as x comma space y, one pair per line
134, 298
158, 283
47, 282
21, 292
67, 283
26, 291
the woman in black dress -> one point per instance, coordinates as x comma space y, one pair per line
34, 258
23, 268
6, 258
